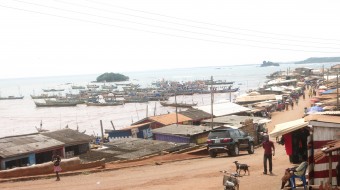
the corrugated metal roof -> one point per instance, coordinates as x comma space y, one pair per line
323, 118
280, 81
182, 129
284, 128
234, 120
195, 114
244, 99
26, 144
69, 136
170, 118
225, 108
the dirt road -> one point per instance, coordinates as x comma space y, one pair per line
200, 173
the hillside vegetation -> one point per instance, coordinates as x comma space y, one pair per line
112, 77
319, 60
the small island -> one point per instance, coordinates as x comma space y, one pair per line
269, 63
112, 77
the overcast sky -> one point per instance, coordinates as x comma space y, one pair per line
64, 37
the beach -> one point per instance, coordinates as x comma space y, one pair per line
187, 173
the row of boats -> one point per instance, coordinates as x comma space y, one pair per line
109, 95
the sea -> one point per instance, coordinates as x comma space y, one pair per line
21, 116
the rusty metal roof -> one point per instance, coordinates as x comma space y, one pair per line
26, 144
168, 119
195, 114
69, 136
136, 126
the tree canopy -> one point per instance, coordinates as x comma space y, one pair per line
112, 77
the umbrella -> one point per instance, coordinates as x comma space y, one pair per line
314, 109
322, 87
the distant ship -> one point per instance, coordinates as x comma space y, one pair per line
11, 98
183, 105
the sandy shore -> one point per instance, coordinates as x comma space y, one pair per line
200, 173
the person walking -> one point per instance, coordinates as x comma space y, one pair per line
269, 152
56, 165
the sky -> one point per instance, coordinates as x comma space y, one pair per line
63, 37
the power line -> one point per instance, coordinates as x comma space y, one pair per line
160, 33
169, 28
212, 24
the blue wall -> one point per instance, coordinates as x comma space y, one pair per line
171, 138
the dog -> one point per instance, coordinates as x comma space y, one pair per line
240, 167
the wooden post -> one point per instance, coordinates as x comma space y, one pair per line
330, 168
337, 91
101, 128
113, 126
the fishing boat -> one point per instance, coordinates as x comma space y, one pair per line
115, 103
218, 82
56, 103
227, 90
135, 99
11, 98
92, 86
75, 87
43, 96
53, 90
183, 105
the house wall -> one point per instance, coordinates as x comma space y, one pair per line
47, 168
144, 132
171, 138
30, 157
201, 138
117, 134
319, 171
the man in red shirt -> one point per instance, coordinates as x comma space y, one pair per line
269, 151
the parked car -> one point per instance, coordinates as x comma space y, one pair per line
229, 140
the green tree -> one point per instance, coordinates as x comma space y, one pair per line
112, 77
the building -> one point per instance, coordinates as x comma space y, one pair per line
37, 148
142, 131
196, 115
182, 133
325, 129
164, 120
26, 150
75, 143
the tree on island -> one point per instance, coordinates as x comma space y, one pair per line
269, 63
112, 77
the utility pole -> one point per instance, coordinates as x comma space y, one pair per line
212, 103
176, 109
101, 128
147, 110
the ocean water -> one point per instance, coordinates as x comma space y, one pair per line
22, 116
